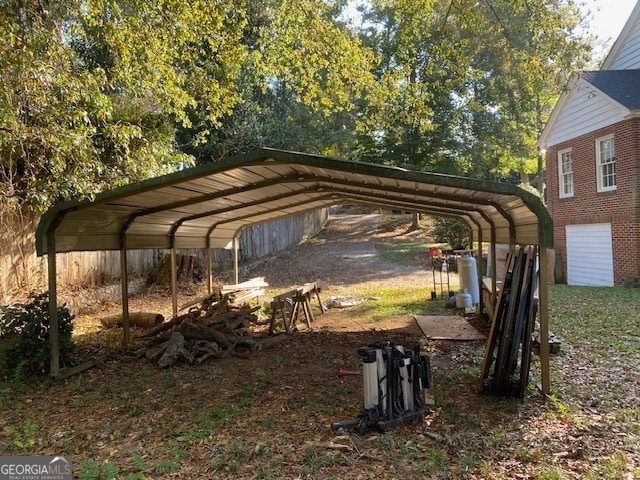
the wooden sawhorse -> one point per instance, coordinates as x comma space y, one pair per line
289, 304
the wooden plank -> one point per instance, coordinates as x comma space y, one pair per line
521, 317
527, 345
497, 314
257, 282
506, 338
247, 295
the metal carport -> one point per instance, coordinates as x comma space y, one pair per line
210, 205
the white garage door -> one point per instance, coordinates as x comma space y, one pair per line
589, 255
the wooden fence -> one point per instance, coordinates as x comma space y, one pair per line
22, 271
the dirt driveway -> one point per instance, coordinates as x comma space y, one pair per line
342, 254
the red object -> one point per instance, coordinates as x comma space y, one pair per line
343, 373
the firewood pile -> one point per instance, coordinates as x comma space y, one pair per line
214, 326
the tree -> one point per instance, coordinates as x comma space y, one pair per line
522, 53
467, 84
301, 84
411, 122
91, 90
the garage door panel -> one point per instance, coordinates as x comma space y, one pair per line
589, 255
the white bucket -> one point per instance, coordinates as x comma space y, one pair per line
463, 300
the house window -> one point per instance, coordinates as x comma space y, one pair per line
565, 173
606, 163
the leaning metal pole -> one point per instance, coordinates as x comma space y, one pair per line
543, 299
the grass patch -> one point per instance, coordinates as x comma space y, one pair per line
402, 253
601, 325
604, 319
389, 301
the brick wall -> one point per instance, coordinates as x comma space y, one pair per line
621, 207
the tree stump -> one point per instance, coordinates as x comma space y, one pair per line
189, 269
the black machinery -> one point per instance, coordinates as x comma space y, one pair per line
395, 382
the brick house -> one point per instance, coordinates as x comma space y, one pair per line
592, 144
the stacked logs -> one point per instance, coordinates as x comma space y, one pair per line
214, 328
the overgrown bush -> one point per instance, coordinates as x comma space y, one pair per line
451, 231
24, 337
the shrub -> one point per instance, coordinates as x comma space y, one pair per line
632, 281
451, 231
24, 337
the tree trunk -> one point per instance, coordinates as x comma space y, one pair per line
415, 221
189, 269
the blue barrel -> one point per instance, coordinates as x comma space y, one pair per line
468, 271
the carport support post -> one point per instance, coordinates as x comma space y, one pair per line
207, 255
174, 282
54, 354
236, 275
479, 272
494, 266
543, 305
124, 285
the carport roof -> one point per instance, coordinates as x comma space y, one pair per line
208, 205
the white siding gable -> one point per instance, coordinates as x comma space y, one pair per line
625, 53
584, 110
628, 57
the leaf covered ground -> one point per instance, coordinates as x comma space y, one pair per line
269, 416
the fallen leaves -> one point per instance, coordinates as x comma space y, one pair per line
180, 421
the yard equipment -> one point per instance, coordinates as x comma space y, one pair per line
440, 265
394, 385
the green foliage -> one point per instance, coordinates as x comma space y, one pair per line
24, 337
435, 462
308, 51
139, 462
91, 470
451, 231
23, 438
466, 87
91, 91
302, 85
167, 466
96, 94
